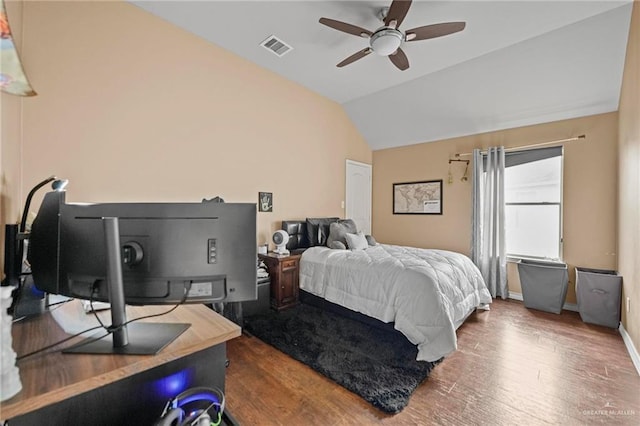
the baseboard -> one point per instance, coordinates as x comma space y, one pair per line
633, 352
567, 306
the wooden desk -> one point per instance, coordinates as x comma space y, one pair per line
49, 380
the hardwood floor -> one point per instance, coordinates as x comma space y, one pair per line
513, 366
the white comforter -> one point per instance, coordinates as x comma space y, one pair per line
428, 293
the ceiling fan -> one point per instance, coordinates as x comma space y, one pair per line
386, 40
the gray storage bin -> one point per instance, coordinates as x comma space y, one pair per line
263, 303
544, 284
599, 296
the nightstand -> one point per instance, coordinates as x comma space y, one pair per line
283, 272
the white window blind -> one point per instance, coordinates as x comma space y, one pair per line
533, 203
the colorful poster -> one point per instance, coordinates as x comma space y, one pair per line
12, 78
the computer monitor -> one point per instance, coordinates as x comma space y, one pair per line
160, 253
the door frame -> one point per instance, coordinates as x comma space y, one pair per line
370, 206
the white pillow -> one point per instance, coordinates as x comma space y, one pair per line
356, 241
337, 245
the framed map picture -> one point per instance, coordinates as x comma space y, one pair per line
418, 197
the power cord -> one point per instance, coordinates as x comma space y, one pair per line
21, 357
109, 329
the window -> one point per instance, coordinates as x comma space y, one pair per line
533, 203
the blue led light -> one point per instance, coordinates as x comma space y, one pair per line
174, 384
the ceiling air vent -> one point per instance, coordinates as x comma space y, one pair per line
275, 45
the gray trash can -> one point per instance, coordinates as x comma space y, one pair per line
544, 284
599, 296
263, 303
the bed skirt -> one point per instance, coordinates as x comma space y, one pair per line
319, 302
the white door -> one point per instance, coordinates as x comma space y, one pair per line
358, 195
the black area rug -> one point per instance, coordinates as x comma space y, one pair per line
378, 365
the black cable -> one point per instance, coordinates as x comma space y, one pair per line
58, 303
184, 299
95, 314
109, 329
21, 357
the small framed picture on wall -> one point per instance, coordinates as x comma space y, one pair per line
265, 201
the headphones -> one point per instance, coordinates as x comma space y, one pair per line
191, 408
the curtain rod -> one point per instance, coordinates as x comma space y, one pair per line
516, 148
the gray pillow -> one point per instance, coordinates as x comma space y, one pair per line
318, 230
337, 231
357, 241
372, 241
337, 245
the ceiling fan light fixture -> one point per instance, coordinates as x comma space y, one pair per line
386, 41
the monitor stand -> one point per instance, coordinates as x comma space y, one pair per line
137, 338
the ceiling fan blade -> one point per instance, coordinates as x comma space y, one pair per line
397, 12
399, 59
358, 55
345, 28
433, 31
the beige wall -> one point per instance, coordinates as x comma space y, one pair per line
121, 107
629, 182
10, 118
131, 108
589, 191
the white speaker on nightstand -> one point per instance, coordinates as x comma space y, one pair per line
280, 239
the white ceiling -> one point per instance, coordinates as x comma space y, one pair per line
516, 63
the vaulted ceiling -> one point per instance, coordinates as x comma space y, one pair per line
516, 62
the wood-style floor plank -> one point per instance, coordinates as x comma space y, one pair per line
513, 366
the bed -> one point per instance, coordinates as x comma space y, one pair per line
427, 294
